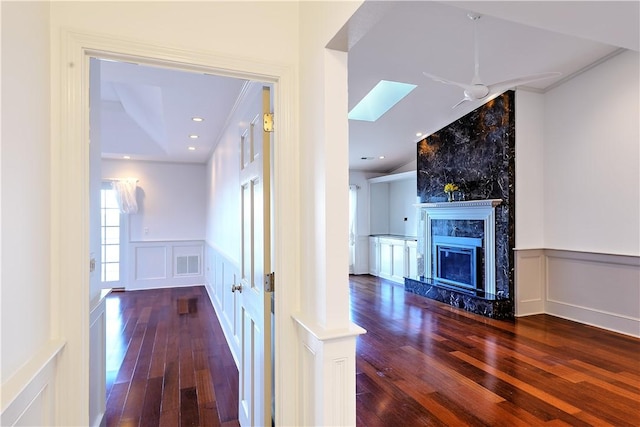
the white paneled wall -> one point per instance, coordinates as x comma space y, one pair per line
220, 274
155, 264
597, 289
28, 396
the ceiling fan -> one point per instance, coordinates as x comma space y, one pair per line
476, 90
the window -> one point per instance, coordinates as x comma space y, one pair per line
110, 234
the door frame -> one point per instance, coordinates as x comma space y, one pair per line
70, 208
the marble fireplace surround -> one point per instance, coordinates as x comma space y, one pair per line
483, 210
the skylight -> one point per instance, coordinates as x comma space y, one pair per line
379, 100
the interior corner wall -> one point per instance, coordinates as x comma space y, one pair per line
25, 177
592, 160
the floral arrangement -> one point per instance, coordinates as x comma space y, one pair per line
450, 187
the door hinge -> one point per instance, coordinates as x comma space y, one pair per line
270, 282
268, 122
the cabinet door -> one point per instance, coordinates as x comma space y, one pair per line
386, 259
398, 267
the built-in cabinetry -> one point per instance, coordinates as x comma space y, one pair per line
393, 257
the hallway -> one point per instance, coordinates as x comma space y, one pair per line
168, 363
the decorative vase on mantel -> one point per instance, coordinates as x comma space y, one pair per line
451, 196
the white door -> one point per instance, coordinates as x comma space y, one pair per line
255, 307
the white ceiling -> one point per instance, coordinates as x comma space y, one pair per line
147, 112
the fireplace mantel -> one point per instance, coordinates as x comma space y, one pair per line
462, 210
491, 203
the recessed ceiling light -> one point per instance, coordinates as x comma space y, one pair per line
382, 97
197, 119
193, 136
419, 134
381, 157
191, 148
126, 157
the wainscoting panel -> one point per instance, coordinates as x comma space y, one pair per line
150, 262
362, 255
97, 361
28, 397
601, 290
221, 273
164, 264
529, 281
597, 289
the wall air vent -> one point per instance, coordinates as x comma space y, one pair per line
187, 265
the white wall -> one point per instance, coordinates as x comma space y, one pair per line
28, 355
379, 208
171, 199
529, 118
592, 160
359, 178
170, 222
390, 203
402, 197
590, 231
26, 230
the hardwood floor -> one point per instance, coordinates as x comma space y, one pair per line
421, 363
424, 363
168, 363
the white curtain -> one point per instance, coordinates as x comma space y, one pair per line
353, 204
126, 194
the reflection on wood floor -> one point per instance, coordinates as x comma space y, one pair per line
168, 363
424, 363
421, 363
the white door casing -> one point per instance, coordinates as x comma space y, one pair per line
70, 210
255, 303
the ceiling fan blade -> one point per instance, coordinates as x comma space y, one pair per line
466, 98
508, 84
445, 81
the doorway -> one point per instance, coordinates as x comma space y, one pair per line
74, 164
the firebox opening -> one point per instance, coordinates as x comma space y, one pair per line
457, 261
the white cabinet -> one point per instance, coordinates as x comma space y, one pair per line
374, 256
392, 258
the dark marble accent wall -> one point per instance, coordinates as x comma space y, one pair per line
477, 152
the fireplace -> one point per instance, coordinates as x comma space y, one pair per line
457, 261
456, 254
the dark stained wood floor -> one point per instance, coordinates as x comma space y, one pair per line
423, 363
168, 363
